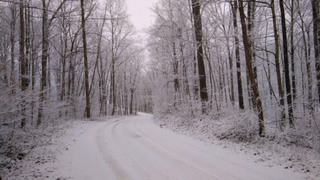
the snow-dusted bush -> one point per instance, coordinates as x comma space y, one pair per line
16, 141
240, 126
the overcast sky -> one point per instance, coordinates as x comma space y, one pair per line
140, 12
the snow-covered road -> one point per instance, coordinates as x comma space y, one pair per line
135, 148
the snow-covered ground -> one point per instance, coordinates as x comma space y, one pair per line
237, 133
135, 147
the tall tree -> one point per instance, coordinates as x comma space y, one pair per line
46, 23
44, 58
292, 51
23, 68
307, 51
278, 67
113, 70
286, 64
201, 68
252, 78
85, 59
13, 10
237, 51
316, 39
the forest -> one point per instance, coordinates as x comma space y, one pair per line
226, 59
254, 61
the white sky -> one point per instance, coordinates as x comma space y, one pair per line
140, 12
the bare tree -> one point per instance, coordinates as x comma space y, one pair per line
316, 39
253, 81
286, 64
13, 10
85, 59
201, 68
237, 53
23, 68
277, 63
44, 59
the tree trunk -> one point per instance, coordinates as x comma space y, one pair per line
27, 41
250, 30
23, 70
64, 46
286, 64
237, 51
307, 50
113, 88
175, 67
85, 59
278, 68
316, 39
201, 68
101, 73
131, 101
231, 72
294, 84
113, 73
253, 81
12, 45
44, 58
184, 78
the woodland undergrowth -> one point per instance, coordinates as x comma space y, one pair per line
242, 127
297, 148
16, 142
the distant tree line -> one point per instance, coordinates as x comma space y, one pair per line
68, 59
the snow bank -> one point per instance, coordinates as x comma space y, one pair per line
295, 150
40, 151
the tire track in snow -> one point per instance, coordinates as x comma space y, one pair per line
170, 155
125, 144
102, 145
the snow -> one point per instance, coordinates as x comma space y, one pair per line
82, 159
135, 147
228, 132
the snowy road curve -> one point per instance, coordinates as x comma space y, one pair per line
135, 148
